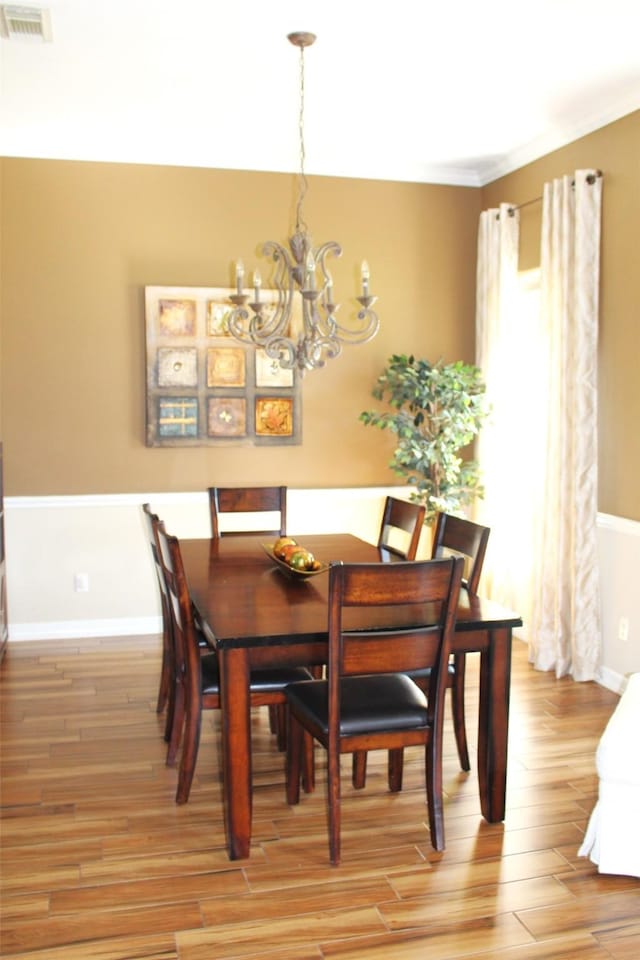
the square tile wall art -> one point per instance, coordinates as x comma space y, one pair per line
203, 386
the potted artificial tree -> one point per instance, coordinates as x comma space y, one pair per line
436, 410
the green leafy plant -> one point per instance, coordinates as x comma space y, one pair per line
436, 410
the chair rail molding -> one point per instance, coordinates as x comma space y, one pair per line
99, 538
52, 539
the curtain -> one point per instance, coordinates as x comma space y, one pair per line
497, 355
565, 628
538, 449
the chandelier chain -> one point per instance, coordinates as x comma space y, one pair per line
302, 179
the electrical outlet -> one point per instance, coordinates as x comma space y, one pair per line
623, 629
81, 583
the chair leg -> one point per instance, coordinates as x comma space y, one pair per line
359, 769
333, 796
278, 717
395, 767
457, 704
308, 764
190, 745
273, 718
168, 720
165, 669
171, 696
294, 759
433, 773
175, 722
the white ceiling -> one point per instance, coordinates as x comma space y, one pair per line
445, 92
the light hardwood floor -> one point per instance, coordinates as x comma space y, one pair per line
98, 861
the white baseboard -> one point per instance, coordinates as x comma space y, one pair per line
79, 629
611, 680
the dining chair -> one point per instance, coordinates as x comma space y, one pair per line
166, 691
368, 700
458, 537
400, 528
265, 500
196, 676
151, 521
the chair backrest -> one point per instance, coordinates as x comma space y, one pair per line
272, 500
455, 536
401, 515
185, 646
151, 523
424, 596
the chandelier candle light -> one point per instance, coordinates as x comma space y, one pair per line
301, 270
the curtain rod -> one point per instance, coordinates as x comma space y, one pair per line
591, 179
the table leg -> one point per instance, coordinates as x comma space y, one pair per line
493, 730
236, 749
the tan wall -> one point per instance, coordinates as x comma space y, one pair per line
615, 150
81, 240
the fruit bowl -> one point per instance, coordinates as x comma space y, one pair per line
292, 571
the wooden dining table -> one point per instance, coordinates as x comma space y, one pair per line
257, 615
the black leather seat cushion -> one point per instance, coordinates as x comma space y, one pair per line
264, 681
386, 701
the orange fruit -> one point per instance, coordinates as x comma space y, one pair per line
281, 543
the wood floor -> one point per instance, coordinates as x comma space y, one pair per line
97, 860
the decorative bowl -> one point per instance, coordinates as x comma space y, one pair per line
291, 571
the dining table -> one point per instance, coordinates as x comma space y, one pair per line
256, 614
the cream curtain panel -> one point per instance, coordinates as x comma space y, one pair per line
565, 631
538, 452
497, 355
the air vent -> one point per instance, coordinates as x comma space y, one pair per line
25, 23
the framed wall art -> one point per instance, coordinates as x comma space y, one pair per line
204, 387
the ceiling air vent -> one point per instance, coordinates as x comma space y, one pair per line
24, 23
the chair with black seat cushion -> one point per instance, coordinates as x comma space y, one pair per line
264, 500
195, 675
400, 528
458, 537
150, 520
368, 700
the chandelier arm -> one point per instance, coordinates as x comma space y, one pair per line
283, 350
238, 319
333, 249
320, 350
369, 326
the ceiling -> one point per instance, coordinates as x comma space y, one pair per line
417, 90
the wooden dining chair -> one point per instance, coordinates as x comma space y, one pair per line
400, 528
368, 700
151, 521
263, 500
457, 537
196, 677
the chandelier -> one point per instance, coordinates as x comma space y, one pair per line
305, 336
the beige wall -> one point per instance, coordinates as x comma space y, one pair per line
80, 242
615, 150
